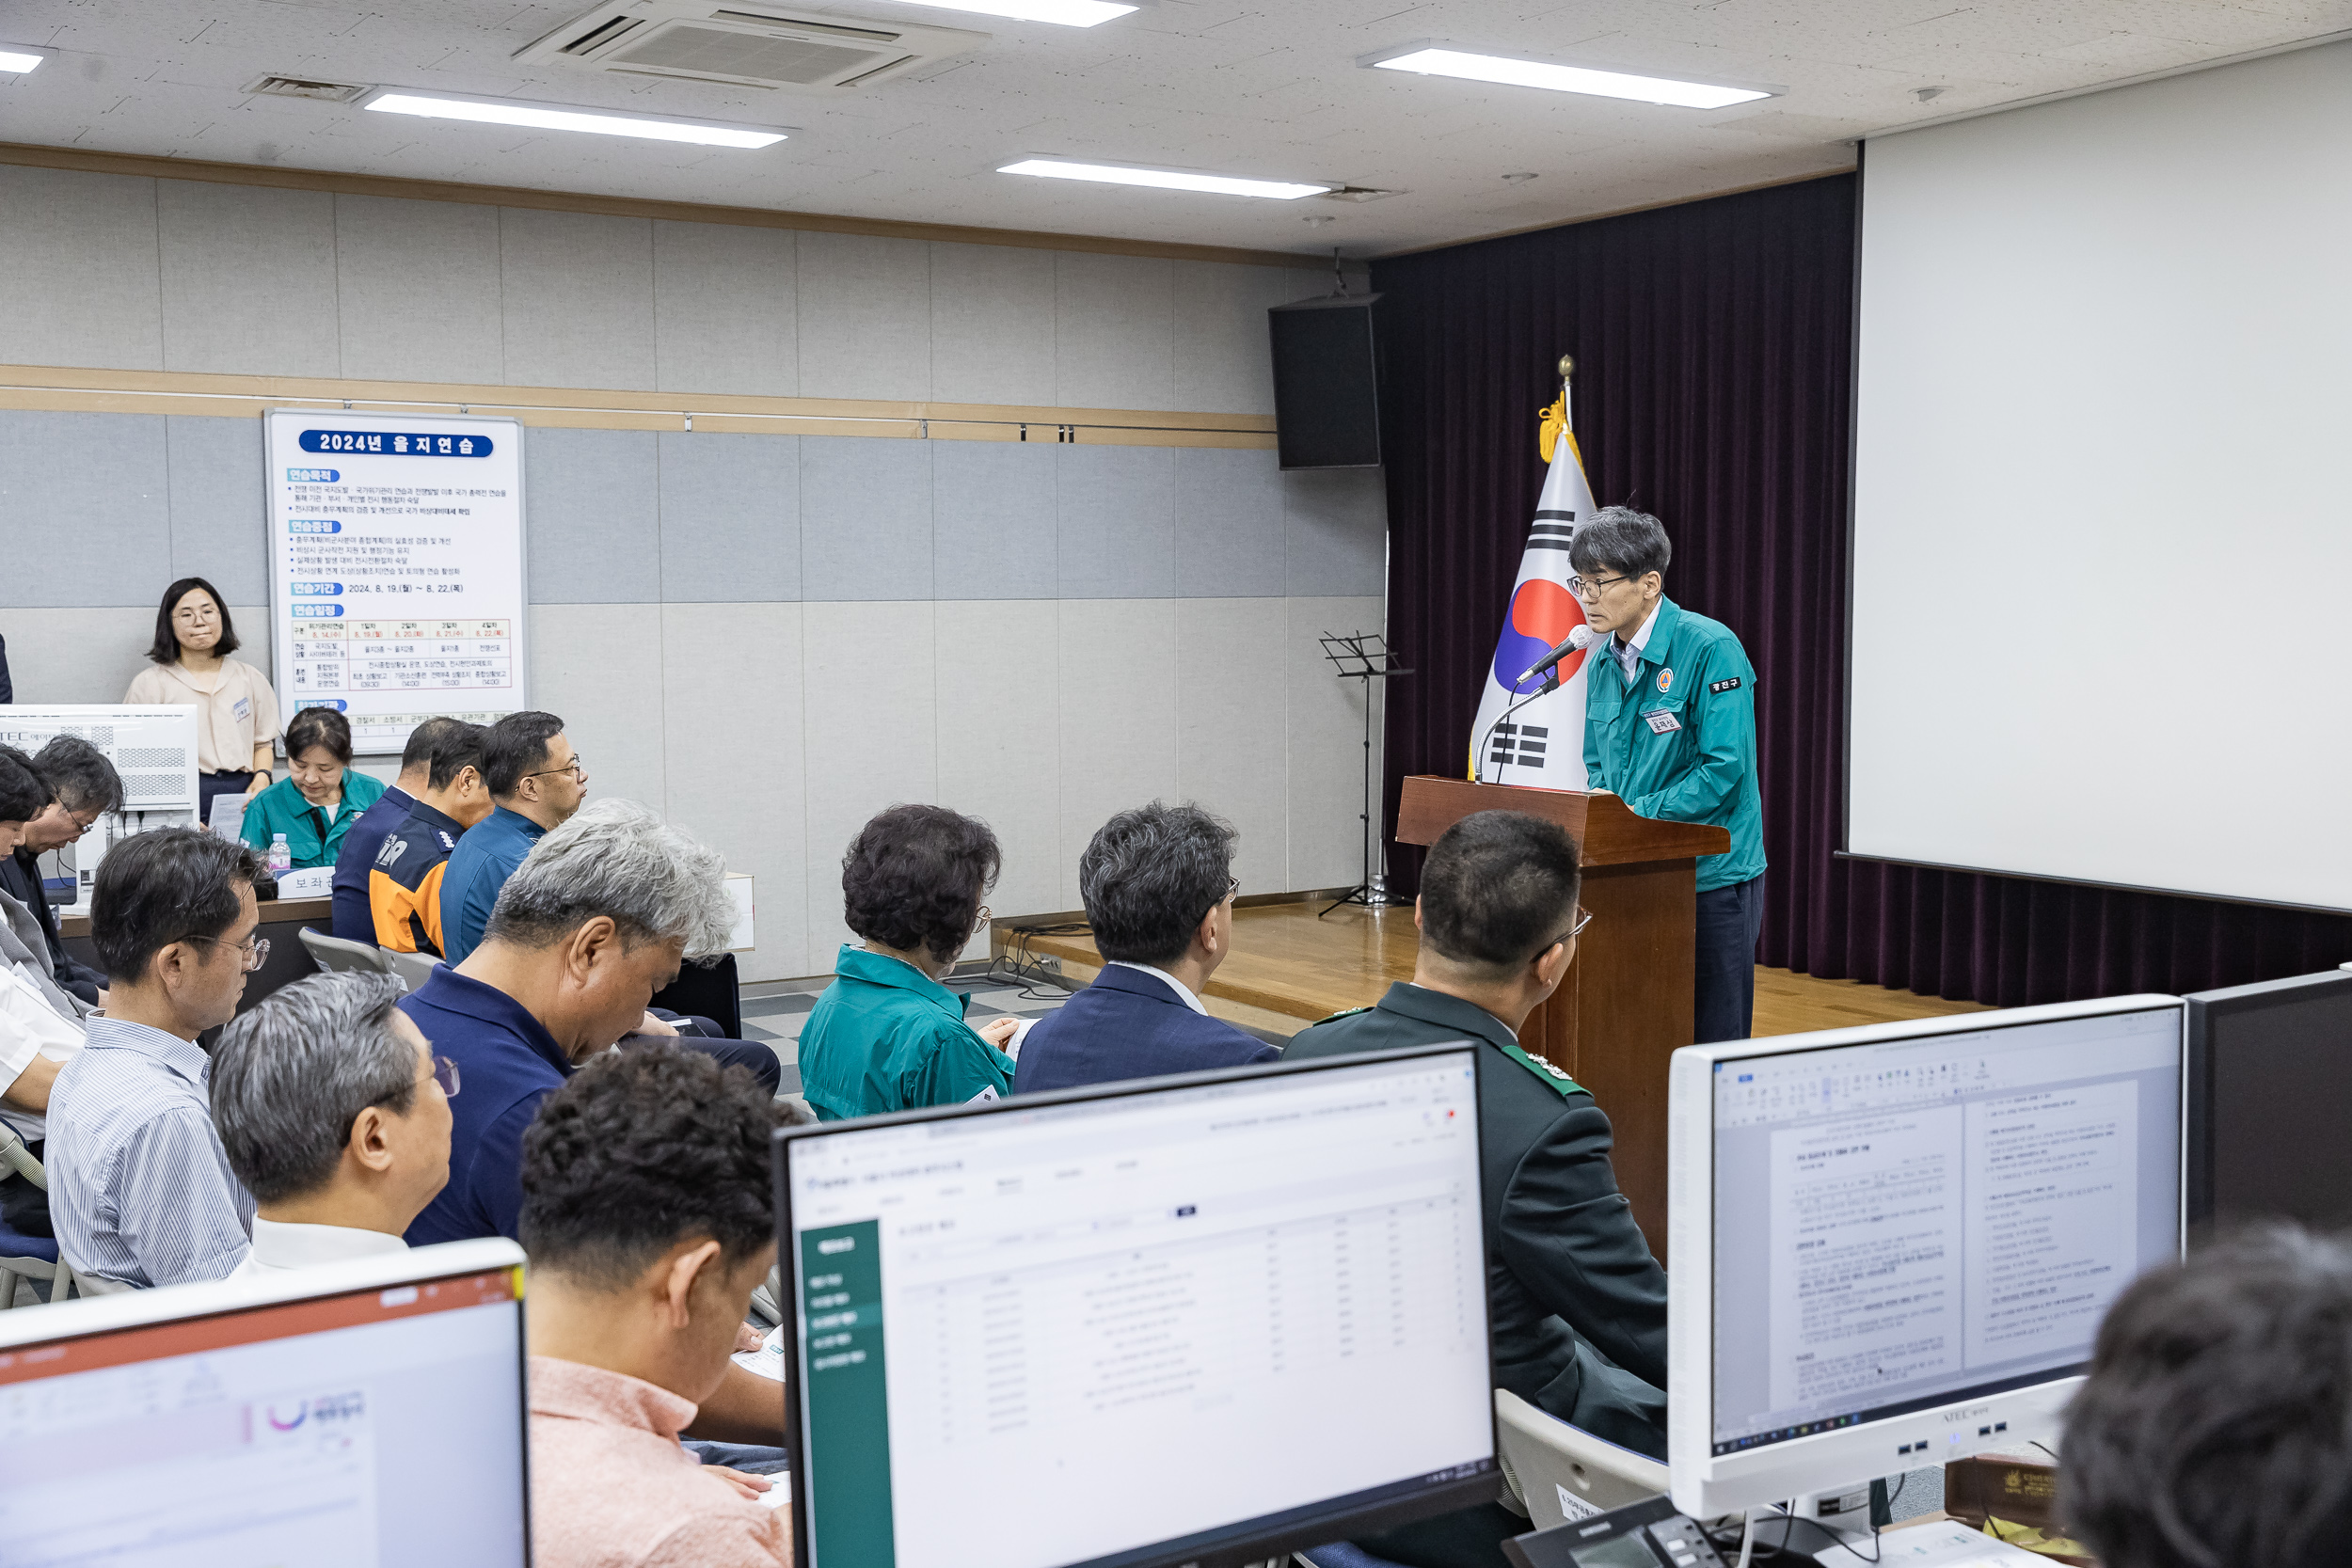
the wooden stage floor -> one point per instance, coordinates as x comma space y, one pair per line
1289, 967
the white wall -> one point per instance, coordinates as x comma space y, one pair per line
769, 637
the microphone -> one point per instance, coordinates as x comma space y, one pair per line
1578, 638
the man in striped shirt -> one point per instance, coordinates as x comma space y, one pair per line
139, 1189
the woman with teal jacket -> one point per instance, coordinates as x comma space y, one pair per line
322, 796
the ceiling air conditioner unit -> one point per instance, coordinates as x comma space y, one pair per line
744, 45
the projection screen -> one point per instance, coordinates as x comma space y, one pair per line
2103, 488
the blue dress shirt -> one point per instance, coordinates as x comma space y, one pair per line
139, 1188
478, 868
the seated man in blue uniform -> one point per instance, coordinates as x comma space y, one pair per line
599, 916
1159, 889
1576, 1303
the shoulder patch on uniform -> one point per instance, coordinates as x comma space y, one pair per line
1350, 1012
1544, 1073
1731, 685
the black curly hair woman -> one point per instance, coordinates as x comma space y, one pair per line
886, 1035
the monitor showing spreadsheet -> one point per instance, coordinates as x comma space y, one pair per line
366, 1413
1172, 1320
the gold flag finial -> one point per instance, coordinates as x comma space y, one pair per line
1554, 417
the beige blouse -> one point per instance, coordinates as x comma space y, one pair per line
235, 710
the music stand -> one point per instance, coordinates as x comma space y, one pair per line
1365, 657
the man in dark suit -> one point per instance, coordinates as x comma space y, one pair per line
1576, 1303
1159, 890
87, 787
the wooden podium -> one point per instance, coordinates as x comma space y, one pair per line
1625, 1007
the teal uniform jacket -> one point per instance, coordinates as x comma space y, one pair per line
309, 832
886, 1036
1576, 1304
1678, 744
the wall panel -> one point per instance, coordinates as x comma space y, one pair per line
768, 635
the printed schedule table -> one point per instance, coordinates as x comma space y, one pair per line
397, 574
336, 658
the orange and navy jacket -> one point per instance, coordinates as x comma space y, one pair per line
404, 883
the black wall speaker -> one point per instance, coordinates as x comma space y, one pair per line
1326, 400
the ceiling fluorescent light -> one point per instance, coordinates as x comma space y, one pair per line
1430, 60
1164, 178
541, 116
19, 59
1069, 13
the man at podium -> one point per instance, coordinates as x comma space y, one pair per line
1670, 729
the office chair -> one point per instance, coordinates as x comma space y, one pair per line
340, 956
415, 968
23, 1256
1550, 1463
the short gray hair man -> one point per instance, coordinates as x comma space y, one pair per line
333, 1111
617, 860
291, 1074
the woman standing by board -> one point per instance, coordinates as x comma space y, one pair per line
236, 712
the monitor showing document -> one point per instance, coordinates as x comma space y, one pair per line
368, 1414
1179, 1321
1903, 1225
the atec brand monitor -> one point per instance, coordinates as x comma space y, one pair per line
366, 1413
1891, 1247
1204, 1319
2269, 1101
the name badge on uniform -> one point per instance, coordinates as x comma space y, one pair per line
244, 710
1661, 721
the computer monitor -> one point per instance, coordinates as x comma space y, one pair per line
2269, 1097
1195, 1320
1890, 1247
368, 1414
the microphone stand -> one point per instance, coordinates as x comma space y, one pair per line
1478, 757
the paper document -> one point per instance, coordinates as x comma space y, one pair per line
1939, 1545
767, 1360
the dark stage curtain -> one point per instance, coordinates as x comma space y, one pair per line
1713, 345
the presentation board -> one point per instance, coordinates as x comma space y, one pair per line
396, 568
2099, 523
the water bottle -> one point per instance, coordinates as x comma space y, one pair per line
280, 857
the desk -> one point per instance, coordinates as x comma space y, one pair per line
281, 924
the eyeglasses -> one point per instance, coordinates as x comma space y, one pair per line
1584, 918
1589, 588
577, 767
254, 948
444, 1073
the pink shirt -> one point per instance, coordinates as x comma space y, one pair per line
611, 1488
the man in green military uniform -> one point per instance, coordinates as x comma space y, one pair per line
1670, 729
1576, 1303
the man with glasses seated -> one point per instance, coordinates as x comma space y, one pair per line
1576, 1303
1670, 730
537, 782
139, 1189
87, 787
1158, 884
334, 1111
